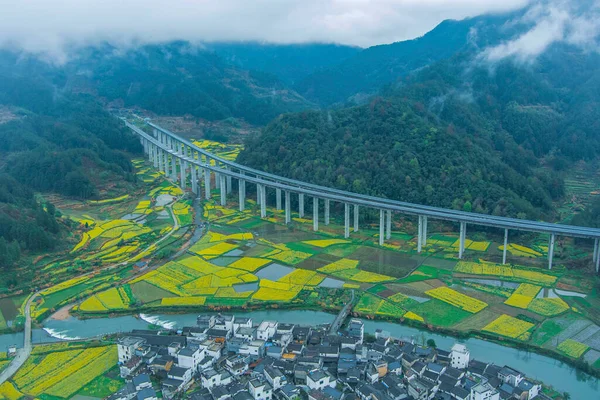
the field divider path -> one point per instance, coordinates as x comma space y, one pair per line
24, 353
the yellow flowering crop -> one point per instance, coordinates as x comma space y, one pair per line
479, 246
326, 242
572, 348
457, 299
183, 301
370, 277
344, 263
84, 239
241, 236
518, 250
302, 277
249, 263
112, 299
269, 294
413, 316
523, 295
92, 304
64, 285
288, 256
231, 293
508, 326
548, 307
9, 392
72, 382
113, 200
485, 268
217, 249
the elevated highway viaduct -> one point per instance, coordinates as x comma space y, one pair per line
169, 151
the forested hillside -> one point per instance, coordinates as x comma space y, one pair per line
69, 146
455, 134
290, 63
179, 78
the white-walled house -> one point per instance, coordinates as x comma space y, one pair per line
484, 391
319, 380
459, 356
126, 347
266, 330
190, 357
260, 390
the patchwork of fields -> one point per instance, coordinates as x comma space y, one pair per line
246, 262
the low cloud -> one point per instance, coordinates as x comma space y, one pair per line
53, 28
548, 22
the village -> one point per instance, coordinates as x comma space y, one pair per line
228, 357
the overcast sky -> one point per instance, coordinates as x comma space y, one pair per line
49, 26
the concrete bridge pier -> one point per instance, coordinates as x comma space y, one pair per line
424, 234
301, 205
263, 203
173, 167
278, 198
551, 250
229, 182
505, 246
206, 173
150, 150
326, 212
315, 214
381, 227
161, 166
182, 173
463, 234
388, 225
242, 194
356, 218
194, 179
595, 255
420, 234
346, 220
288, 214
223, 190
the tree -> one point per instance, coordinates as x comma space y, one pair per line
431, 343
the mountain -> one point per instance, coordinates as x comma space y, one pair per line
290, 63
68, 145
461, 132
364, 73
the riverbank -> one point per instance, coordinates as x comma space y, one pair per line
539, 367
503, 341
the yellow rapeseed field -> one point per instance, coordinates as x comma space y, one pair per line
413, 316
326, 242
548, 307
484, 268
340, 265
270, 294
249, 263
523, 295
572, 348
508, 326
64, 285
92, 304
288, 256
457, 299
9, 392
112, 299
183, 301
217, 250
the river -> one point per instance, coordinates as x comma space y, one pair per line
548, 370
